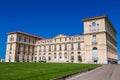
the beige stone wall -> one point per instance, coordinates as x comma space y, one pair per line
22, 47
57, 41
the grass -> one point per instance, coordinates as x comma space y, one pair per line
39, 71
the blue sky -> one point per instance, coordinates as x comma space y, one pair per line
47, 18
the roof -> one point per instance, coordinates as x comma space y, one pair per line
23, 33
95, 17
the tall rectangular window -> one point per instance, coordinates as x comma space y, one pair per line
94, 38
65, 46
65, 39
10, 46
28, 48
18, 46
29, 39
79, 46
33, 49
24, 39
50, 48
39, 48
60, 47
54, 47
72, 47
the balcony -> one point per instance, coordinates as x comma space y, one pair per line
94, 43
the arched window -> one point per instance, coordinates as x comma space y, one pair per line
79, 56
11, 38
93, 26
95, 54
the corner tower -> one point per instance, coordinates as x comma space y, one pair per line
99, 40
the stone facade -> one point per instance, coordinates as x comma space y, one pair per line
96, 45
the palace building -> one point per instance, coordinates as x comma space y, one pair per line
96, 45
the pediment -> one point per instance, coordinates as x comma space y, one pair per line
60, 36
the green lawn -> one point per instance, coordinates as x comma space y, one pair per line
39, 71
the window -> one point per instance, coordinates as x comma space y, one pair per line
39, 48
23, 57
95, 54
28, 48
28, 57
24, 39
72, 46
32, 57
29, 40
19, 38
18, 46
55, 56
44, 56
72, 56
65, 55
11, 38
60, 55
10, 46
39, 58
79, 57
94, 27
35, 58
55, 40
18, 57
89, 27
24, 47
94, 38
33, 49
49, 56
72, 39
54, 47
79, 46
60, 47
65, 46
39, 54
60, 39
44, 48
65, 39
97, 26
50, 48
10, 57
